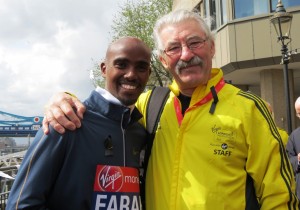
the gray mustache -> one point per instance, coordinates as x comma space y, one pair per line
194, 61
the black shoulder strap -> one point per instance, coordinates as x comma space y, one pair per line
155, 106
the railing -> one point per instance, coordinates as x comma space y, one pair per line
3, 199
12, 159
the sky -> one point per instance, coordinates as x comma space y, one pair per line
50, 46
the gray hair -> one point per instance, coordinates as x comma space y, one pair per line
177, 17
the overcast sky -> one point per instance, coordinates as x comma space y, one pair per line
50, 46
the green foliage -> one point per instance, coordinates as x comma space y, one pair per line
96, 77
137, 18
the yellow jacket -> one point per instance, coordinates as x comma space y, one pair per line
203, 163
284, 136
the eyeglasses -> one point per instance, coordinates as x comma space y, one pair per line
176, 49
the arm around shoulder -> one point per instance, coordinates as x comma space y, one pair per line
64, 111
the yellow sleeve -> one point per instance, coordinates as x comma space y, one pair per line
284, 136
71, 94
141, 105
267, 161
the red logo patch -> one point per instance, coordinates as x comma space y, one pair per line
110, 179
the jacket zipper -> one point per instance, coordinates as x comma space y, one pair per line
124, 143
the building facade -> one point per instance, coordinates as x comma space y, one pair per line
247, 49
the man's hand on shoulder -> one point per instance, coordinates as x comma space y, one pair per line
63, 111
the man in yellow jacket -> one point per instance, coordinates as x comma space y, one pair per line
216, 147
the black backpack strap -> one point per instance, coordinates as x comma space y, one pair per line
157, 100
155, 106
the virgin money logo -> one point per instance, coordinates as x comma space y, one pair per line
110, 179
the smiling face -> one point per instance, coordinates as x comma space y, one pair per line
192, 66
126, 69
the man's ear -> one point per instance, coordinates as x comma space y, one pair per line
163, 61
212, 48
103, 69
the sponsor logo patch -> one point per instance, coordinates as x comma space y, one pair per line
224, 141
116, 187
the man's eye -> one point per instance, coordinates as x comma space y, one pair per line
195, 44
142, 68
173, 49
121, 65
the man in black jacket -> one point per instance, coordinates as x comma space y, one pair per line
96, 166
293, 149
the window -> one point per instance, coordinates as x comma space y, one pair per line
210, 12
224, 17
286, 3
217, 10
246, 8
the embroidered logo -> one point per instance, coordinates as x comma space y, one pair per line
223, 151
224, 140
224, 135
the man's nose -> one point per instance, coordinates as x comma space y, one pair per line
130, 73
186, 54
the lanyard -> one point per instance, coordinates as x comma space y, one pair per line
204, 100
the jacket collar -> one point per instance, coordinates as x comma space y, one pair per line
201, 90
112, 109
